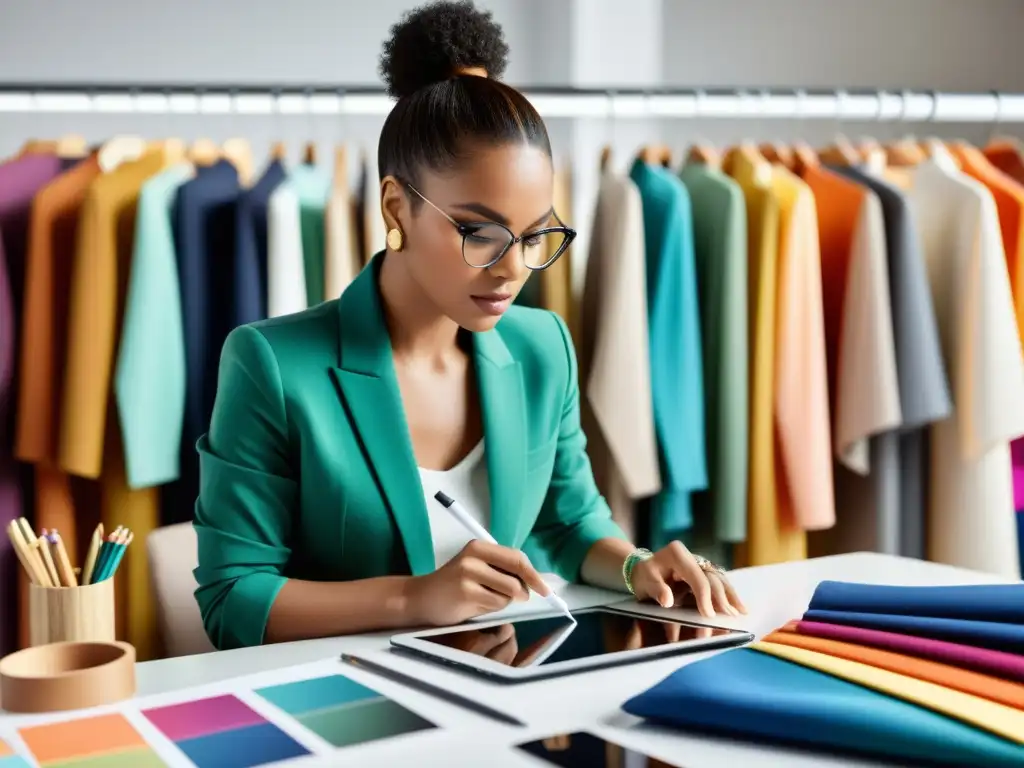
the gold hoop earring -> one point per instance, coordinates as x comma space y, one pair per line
395, 239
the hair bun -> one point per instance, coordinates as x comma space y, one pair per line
436, 42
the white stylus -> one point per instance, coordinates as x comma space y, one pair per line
481, 533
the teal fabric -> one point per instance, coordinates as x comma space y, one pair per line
720, 250
308, 471
747, 694
312, 185
677, 378
150, 377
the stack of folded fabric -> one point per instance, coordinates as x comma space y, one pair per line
930, 674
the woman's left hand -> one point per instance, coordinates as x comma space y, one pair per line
674, 565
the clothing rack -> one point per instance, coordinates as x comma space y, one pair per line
885, 105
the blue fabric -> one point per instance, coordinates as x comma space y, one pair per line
1020, 533
204, 238
250, 283
752, 695
677, 378
981, 602
984, 634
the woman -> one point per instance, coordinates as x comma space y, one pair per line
334, 427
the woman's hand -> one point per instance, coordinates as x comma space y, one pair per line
674, 565
480, 579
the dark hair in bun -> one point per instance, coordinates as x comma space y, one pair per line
441, 109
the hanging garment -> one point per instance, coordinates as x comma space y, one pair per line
286, 273
770, 537
720, 249
556, 281
895, 489
342, 261
250, 267
801, 378
755, 695
313, 188
677, 380
971, 514
90, 440
615, 368
51, 248
149, 378
20, 179
204, 235
997, 719
374, 231
1008, 156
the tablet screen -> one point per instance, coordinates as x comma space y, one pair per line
584, 750
551, 640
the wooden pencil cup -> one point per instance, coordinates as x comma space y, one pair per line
64, 676
70, 614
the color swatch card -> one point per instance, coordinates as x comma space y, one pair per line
343, 712
223, 732
8, 758
103, 741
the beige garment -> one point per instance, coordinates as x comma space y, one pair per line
374, 229
342, 260
556, 280
867, 388
971, 521
615, 375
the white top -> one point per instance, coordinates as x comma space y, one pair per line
286, 273
466, 482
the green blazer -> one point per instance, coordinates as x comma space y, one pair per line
308, 471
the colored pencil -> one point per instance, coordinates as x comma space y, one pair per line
94, 551
67, 573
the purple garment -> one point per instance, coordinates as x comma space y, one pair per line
20, 179
1007, 666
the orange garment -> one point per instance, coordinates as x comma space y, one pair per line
1009, 197
984, 686
90, 441
1008, 157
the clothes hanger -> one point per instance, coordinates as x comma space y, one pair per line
119, 150
651, 154
840, 152
279, 151
776, 152
804, 157
704, 154
606, 157
204, 152
72, 145
238, 152
309, 153
665, 156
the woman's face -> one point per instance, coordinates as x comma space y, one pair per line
510, 185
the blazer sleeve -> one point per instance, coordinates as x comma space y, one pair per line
247, 495
574, 515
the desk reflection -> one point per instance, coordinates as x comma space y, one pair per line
586, 750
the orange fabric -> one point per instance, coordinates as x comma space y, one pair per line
1009, 197
1008, 157
984, 686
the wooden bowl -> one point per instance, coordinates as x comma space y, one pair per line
63, 676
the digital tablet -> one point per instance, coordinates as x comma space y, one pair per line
550, 645
582, 748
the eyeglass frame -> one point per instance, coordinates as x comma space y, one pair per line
465, 230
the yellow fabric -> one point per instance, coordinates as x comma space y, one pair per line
767, 540
556, 280
90, 440
981, 713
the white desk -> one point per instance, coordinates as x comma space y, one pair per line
774, 595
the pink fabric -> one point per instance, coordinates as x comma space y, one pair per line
1004, 665
1017, 453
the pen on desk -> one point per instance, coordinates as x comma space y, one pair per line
480, 532
416, 684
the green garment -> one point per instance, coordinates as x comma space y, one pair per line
312, 186
150, 376
720, 249
308, 469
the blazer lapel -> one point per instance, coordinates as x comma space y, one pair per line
366, 378
503, 402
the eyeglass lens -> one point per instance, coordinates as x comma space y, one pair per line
487, 242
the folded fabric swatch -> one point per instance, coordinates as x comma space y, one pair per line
1001, 603
750, 694
966, 681
981, 713
1005, 665
986, 634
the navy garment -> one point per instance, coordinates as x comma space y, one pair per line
204, 241
753, 695
1001, 603
250, 283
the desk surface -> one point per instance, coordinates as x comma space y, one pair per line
774, 594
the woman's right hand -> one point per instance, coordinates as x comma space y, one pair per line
482, 578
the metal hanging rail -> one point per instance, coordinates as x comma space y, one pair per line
558, 102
